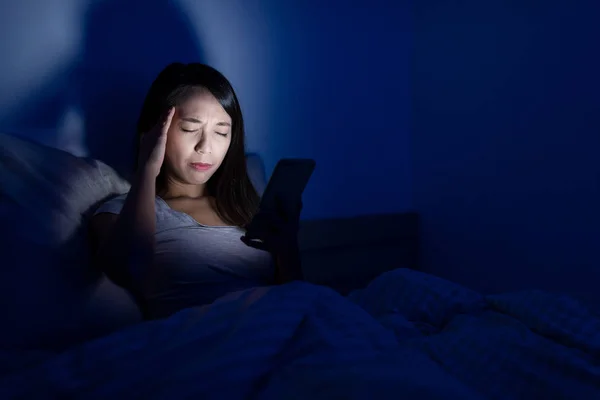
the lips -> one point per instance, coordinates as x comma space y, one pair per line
201, 166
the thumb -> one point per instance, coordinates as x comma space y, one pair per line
254, 243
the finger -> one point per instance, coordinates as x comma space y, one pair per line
257, 244
167, 121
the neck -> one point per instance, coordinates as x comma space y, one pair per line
173, 189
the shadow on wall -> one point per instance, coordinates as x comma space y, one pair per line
125, 45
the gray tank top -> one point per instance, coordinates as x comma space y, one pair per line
197, 263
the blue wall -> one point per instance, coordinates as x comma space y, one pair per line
330, 83
502, 104
506, 137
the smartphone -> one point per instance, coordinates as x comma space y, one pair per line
287, 183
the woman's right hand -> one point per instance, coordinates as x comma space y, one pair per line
154, 143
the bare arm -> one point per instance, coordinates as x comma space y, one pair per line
125, 242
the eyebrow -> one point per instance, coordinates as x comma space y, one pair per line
197, 121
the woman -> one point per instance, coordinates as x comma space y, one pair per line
174, 239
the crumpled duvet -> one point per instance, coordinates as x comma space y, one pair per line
407, 335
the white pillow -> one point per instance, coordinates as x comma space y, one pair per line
50, 296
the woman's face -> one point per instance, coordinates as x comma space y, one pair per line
198, 139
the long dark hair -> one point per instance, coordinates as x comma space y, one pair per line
236, 199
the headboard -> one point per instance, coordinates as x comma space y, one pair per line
347, 253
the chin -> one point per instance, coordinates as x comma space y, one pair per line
199, 178
198, 181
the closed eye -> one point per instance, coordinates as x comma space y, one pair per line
188, 130
224, 134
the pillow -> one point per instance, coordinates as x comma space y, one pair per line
50, 296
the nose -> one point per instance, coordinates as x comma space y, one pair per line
203, 146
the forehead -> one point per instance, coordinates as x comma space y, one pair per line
201, 104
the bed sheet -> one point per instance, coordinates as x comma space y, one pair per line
407, 335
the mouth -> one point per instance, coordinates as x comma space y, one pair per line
201, 166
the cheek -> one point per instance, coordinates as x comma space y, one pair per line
177, 147
223, 147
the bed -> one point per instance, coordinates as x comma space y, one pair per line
367, 324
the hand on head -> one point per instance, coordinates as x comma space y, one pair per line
154, 143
